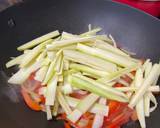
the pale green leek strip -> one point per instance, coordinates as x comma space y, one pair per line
129, 94
55, 108
41, 56
49, 113
90, 75
130, 75
26, 51
114, 42
51, 90
155, 71
147, 69
155, 88
98, 119
51, 70
127, 51
109, 83
82, 107
89, 27
63, 43
123, 82
96, 108
51, 55
38, 40
140, 103
63, 102
92, 32
106, 55
145, 64
105, 46
89, 86
89, 70
33, 53
70, 47
66, 35
104, 38
41, 73
66, 88
59, 65
42, 91
46, 61
15, 61
153, 99
99, 85
49, 73
88, 60
115, 75
22, 75
56, 105
66, 64
60, 79
69, 72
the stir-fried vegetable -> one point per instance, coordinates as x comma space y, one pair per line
140, 104
85, 80
107, 55
38, 40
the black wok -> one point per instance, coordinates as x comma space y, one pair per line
133, 29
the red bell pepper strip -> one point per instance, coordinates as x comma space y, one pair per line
29, 101
67, 125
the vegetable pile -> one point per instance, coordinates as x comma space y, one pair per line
85, 80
